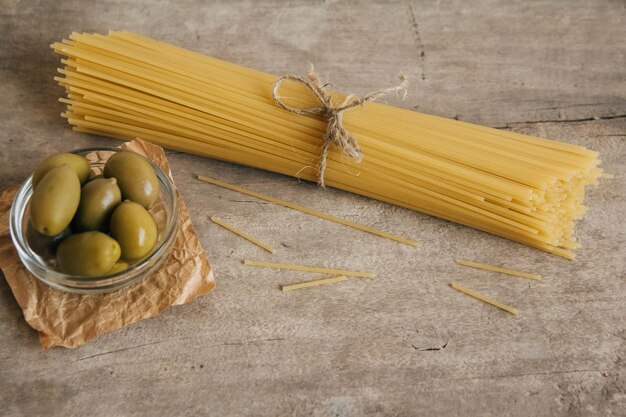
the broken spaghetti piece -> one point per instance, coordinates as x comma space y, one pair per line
241, 233
315, 283
309, 269
307, 210
493, 268
484, 298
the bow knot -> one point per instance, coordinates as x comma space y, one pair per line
335, 133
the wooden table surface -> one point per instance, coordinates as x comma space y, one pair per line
404, 344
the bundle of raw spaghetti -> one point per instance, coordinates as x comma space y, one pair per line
523, 188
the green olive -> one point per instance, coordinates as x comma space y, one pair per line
135, 230
55, 201
118, 267
89, 254
98, 199
42, 245
135, 177
79, 164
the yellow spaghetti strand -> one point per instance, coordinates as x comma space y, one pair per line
484, 298
309, 269
498, 269
315, 283
241, 233
307, 210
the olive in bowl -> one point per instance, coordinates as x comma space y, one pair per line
86, 260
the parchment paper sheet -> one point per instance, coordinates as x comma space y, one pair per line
71, 320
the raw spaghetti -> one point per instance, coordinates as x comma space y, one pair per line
519, 187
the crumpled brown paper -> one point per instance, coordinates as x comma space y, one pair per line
71, 320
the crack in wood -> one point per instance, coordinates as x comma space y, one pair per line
123, 349
586, 119
572, 105
242, 343
419, 46
473, 378
248, 342
429, 349
249, 201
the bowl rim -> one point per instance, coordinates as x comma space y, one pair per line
61, 280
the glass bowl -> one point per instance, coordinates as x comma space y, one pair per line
165, 213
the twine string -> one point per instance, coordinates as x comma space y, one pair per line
335, 134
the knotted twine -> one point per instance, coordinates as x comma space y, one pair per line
335, 133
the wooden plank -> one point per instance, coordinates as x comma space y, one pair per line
403, 344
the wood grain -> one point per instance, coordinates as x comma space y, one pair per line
404, 344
